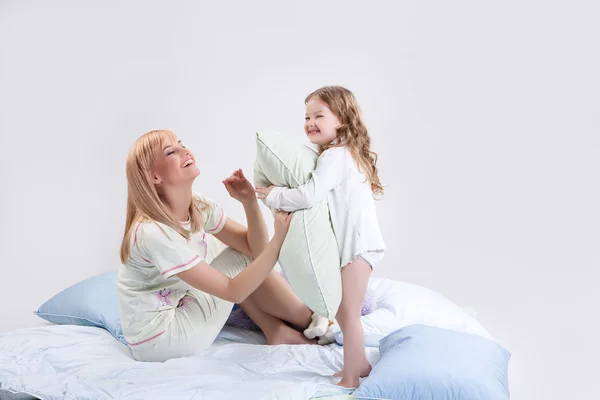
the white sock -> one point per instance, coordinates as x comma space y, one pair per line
318, 327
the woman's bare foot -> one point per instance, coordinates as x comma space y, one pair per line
286, 335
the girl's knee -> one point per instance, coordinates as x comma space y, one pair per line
349, 310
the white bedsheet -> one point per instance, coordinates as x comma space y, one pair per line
73, 362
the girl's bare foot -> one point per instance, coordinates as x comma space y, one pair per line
352, 382
349, 383
364, 371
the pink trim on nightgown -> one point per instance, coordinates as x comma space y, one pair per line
219, 224
181, 266
147, 340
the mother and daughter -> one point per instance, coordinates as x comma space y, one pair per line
174, 304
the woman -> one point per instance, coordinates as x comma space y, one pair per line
173, 303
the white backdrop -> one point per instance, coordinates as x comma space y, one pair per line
485, 116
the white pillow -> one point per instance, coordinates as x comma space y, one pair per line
401, 304
309, 256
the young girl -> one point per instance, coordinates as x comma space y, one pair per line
173, 303
346, 176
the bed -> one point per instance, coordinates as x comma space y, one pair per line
85, 362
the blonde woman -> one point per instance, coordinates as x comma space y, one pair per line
172, 303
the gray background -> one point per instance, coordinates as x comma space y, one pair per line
485, 116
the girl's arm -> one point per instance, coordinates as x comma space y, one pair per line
329, 173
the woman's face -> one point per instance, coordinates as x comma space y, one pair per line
174, 164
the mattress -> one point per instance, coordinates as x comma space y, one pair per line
74, 362
78, 362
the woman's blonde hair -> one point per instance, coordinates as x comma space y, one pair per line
352, 132
143, 200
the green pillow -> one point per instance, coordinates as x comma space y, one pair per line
309, 256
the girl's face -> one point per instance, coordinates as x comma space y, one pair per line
174, 164
320, 122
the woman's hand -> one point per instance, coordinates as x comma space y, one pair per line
263, 193
282, 225
239, 187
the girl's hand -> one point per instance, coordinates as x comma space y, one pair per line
263, 193
282, 224
239, 187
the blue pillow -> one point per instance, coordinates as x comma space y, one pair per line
91, 302
422, 362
